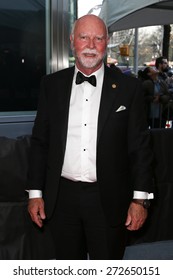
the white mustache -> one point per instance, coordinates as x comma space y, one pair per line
88, 51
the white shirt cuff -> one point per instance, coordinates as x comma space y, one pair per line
35, 194
142, 195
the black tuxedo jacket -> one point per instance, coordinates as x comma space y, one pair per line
123, 154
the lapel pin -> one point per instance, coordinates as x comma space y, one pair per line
114, 86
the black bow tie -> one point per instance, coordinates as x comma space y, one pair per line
80, 78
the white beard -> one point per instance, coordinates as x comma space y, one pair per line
89, 62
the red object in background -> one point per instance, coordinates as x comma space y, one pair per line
150, 63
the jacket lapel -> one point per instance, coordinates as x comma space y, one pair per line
64, 84
109, 94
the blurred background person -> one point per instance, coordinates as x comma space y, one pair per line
156, 95
162, 66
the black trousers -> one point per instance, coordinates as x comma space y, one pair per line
79, 227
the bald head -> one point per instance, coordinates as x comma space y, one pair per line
92, 20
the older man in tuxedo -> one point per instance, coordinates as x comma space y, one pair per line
90, 175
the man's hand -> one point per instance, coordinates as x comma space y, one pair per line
136, 216
36, 210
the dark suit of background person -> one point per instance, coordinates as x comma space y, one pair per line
156, 96
123, 164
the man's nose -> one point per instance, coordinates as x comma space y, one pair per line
91, 43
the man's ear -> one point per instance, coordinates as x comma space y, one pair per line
72, 41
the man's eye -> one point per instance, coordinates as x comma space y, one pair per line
99, 39
83, 38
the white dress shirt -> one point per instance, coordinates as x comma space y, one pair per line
80, 154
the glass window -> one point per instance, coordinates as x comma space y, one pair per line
34, 41
22, 53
